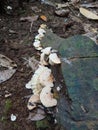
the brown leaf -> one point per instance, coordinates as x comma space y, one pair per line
44, 18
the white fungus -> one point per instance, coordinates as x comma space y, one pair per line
42, 59
58, 88
36, 44
43, 26
46, 97
32, 102
54, 59
39, 36
41, 82
38, 48
41, 31
9, 8
46, 50
40, 79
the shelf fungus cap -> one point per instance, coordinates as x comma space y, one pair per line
37, 44
39, 36
34, 99
46, 97
43, 26
54, 59
47, 79
42, 59
39, 48
41, 31
47, 50
41, 78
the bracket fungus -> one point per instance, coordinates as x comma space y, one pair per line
39, 36
47, 79
46, 97
41, 82
41, 31
43, 61
39, 48
40, 79
46, 50
34, 99
36, 44
44, 55
43, 26
54, 59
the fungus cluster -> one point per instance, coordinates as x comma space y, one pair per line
42, 82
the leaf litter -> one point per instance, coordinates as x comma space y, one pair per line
30, 63
7, 68
88, 14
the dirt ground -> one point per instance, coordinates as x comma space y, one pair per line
17, 46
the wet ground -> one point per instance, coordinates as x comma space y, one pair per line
16, 43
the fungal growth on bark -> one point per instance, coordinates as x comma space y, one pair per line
42, 82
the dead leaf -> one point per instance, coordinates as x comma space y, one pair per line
44, 18
90, 5
29, 18
74, 1
92, 36
37, 115
35, 9
7, 68
6, 74
88, 14
91, 32
32, 63
62, 12
61, 5
6, 62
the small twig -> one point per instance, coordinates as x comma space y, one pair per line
71, 9
31, 27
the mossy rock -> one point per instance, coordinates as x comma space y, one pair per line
79, 56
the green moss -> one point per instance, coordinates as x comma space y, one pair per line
2, 119
15, 125
42, 124
8, 106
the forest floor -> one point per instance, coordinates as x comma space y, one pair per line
16, 43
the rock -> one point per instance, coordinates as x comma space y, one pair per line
78, 106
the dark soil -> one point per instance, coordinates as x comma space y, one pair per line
17, 46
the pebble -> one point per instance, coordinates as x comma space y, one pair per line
58, 88
13, 117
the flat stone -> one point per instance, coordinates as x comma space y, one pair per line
79, 56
